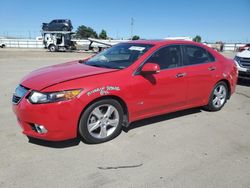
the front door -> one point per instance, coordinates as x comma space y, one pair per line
162, 92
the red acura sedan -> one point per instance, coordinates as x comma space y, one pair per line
130, 81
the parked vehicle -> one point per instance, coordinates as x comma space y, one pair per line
245, 47
130, 81
2, 45
243, 63
62, 41
58, 25
218, 46
58, 40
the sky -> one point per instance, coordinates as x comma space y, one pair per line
213, 20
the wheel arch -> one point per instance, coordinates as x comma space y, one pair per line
52, 45
228, 86
114, 97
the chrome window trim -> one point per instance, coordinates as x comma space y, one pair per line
137, 71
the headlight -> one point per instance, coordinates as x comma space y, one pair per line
38, 98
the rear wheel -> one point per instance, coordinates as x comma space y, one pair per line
65, 28
218, 97
101, 121
45, 28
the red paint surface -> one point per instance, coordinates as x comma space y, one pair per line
144, 95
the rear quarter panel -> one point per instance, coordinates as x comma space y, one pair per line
228, 70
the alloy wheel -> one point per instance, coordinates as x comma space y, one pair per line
219, 96
103, 121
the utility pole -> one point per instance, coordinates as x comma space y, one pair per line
132, 25
117, 34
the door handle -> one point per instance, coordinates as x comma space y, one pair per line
179, 75
212, 68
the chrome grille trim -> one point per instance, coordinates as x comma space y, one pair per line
244, 62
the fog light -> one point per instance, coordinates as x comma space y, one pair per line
40, 129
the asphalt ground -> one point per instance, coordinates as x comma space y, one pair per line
190, 148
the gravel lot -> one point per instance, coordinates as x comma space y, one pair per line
191, 148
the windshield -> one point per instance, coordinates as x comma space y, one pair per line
119, 56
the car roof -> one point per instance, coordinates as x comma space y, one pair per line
61, 19
162, 42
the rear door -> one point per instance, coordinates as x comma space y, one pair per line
165, 91
201, 68
59, 25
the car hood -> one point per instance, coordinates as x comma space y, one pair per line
245, 54
45, 77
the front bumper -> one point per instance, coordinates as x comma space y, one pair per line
60, 119
244, 74
243, 65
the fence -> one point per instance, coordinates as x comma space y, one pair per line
32, 43
22, 43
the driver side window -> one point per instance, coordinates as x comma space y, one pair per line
167, 57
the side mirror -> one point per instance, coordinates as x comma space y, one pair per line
150, 68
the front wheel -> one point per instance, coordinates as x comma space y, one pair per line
52, 48
101, 121
218, 97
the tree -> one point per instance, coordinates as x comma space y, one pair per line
135, 37
197, 38
103, 34
85, 32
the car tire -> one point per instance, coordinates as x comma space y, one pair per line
52, 48
101, 121
65, 28
45, 28
218, 97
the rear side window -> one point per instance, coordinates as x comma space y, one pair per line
167, 57
196, 55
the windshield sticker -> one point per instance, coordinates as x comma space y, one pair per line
137, 48
103, 90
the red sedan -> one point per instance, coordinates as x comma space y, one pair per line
94, 98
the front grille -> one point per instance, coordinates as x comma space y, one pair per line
20, 92
244, 62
